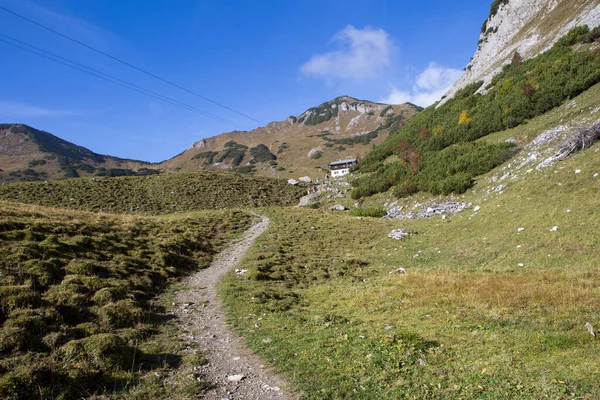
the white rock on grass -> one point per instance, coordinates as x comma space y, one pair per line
338, 207
398, 234
477, 208
577, 171
520, 229
554, 229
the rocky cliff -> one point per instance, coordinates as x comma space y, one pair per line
524, 26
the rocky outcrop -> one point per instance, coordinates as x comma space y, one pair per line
528, 27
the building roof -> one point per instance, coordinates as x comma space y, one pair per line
341, 162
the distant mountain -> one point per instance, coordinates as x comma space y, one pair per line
299, 145
302, 145
28, 154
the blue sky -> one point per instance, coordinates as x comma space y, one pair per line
265, 59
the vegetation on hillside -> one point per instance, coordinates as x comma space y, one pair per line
72, 159
77, 297
261, 153
432, 150
158, 194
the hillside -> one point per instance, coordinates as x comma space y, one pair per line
438, 151
80, 310
301, 145
492, 302
28, 154
528, 27
159, 194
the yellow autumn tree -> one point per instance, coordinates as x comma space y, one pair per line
438, 129
464, 118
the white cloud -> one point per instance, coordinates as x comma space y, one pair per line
429, 87
11, 109
363, 54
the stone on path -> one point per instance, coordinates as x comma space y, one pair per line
235, 378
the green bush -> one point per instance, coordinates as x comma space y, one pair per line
373, 212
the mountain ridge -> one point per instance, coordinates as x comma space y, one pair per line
344, 126
299, 145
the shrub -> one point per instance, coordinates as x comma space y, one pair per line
261, 153
405, 189
373, 212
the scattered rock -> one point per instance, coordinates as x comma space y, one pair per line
450, 207
554, 229
577, 171
305, 179
338, 207
596, 175
498, 188
235, 378
421, 362
241, 271
511, 140
590, 329
520, 229
389, 327
267, 340
292, 181
477, 208
400, 271
521, 265
398, 234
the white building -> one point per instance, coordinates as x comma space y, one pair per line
341, 167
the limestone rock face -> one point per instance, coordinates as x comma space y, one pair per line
525, 26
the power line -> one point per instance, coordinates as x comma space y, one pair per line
99, 74
129, 65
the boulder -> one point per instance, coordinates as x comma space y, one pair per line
305, 179
338, 207
292, 181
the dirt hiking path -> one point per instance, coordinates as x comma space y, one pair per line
232, 370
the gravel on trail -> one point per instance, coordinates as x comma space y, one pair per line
233, 371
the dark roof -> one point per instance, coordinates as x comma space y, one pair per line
341, 162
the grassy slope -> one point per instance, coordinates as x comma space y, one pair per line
319, 285
77, 301
159, 194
